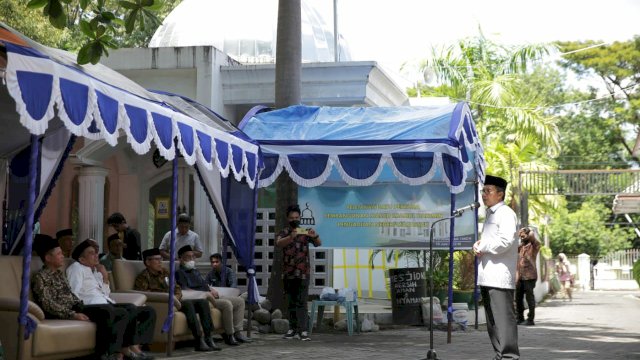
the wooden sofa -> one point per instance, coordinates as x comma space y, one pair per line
124, 275
51, 339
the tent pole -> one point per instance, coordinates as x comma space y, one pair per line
452, 225
24, 319
172, 251
475, 258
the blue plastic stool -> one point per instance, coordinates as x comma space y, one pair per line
351, 308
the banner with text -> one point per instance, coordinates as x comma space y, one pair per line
386, 216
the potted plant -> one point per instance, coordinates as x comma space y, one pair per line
464, 277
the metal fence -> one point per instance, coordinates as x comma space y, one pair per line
618, 265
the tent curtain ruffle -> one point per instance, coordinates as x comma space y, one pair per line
419, 145
91, 108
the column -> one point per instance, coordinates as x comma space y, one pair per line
91, 181
204, 221
584, 271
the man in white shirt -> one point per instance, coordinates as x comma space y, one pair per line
184, 237
89, 281
497, 250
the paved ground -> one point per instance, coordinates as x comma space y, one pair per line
595, 325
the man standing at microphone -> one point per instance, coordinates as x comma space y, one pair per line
497, 250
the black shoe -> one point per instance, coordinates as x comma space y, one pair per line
201, 345
230, 340
241, 338
529, 323
521, 322
211, 344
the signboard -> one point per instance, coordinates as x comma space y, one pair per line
162, 208
388, 215
407, 290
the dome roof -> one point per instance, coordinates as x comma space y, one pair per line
244, 30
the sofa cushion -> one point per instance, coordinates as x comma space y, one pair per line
63, 336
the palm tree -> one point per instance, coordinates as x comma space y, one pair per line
513, 126
287, 92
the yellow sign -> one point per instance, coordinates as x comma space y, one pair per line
162, 208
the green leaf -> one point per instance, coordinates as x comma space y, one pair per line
35, 4
83, 55
146, 3
130, 21
84, 4
118, 21
54, 9
156, 6
96, 52
86, 29
101, 30
59, 22
108, 15
128, 5
66, 1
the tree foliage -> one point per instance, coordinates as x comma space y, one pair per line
585, 231
617, 65
514, 128
91, 27
31, 23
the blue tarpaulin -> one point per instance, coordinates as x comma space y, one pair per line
419, 144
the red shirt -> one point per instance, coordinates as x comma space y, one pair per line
295, 256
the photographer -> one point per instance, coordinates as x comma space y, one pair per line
526, 275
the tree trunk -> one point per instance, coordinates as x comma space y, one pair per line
287, 85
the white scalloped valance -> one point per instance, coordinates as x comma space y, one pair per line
416, 144
96, 109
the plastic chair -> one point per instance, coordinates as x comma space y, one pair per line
351, 309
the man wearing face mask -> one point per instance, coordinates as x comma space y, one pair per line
232, 308
294, 242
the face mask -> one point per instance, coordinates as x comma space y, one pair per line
190, 264
294, 224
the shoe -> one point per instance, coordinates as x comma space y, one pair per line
138, 356
304, 336
230, 340
521, 322
291, 334
201, 345
211, 344
529, 323
241, 338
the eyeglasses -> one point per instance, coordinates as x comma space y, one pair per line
488, 191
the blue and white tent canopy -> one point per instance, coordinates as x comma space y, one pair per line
96, 102
418, 144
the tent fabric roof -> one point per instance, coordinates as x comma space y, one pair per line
97, 102
419, 144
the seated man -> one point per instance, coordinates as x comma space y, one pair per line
115, 251
232, 308
52, 292
214, 277
89, 281
65, 239
155, 278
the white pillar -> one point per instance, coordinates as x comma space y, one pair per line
584, 270
204, 221
91, 182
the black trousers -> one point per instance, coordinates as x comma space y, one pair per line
524, 289
111, 323
199, 307
141, 321
297, 291
501, 321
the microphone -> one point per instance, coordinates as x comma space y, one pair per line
458, 212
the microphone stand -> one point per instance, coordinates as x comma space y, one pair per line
431, 354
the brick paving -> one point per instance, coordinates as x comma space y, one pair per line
595, 325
